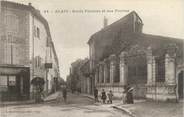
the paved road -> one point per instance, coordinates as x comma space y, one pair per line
77, 106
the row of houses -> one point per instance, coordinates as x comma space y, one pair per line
27, 51
121, 54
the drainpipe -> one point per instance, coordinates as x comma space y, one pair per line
47, 80
32, 50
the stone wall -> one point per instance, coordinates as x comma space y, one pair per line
15, 35
161, 92
165, 90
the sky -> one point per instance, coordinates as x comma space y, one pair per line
70, 31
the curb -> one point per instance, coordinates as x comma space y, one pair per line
25, 103
18, 103
124, 110
51, 100
88, 96
116, 107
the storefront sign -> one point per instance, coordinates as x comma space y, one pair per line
48, 65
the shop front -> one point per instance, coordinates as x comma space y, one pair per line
14, 83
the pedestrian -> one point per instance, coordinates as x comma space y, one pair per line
103, 96
38, 94
59, 97
96, 94
130, 99
110, 95
124, 96
65, 94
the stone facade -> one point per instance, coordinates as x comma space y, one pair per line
166, 90
26, 45
146, 62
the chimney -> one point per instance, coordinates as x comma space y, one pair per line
105, 22
29, 4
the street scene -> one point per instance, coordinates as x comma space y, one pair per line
77, 106
91, 58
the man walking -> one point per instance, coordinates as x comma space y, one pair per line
96, 94
65, 94
129, 94
110, 95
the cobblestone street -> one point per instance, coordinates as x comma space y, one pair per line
77, 106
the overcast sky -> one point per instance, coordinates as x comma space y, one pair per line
71, 31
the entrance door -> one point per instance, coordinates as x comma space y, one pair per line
12, 87
180, 84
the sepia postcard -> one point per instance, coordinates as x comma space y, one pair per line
90, 58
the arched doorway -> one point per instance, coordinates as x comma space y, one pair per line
180, 84
38, 85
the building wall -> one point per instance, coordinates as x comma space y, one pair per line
41, 52
122, 43
24, 42
54, 72
14, 50
39, 48
15, 34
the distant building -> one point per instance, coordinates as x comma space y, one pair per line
120, 54
26, 51
86, 86
76, 79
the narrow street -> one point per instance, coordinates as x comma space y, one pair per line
77, 106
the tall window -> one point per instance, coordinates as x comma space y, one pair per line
38, 32
160, 69
9, 49
37, 61
108, 73
117, 76
11, 28
12, 23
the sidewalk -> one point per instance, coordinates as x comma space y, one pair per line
143, 108
153, 109
49, 98
7, 103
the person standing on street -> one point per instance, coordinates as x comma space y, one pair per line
96, 94
110, 95
65, 94
59, 97
130, 99
124, 95
103, 96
